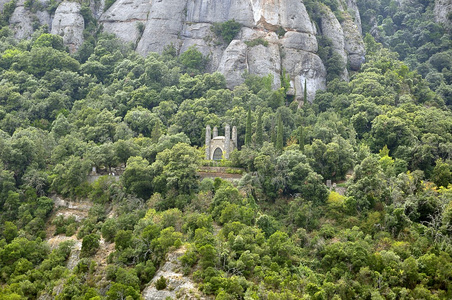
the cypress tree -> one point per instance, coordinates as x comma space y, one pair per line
280, 134
248, 129
259, 131
305, 92
301, 137
156, 132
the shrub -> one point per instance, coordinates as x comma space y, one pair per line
90, 244
226, 30
255, 42
160, 284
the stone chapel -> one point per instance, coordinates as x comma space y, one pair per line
219, 147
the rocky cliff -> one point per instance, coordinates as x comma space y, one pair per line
284, 29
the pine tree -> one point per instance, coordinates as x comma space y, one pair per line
248, 129
280, 134
259, 131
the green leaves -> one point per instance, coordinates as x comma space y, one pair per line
226, 30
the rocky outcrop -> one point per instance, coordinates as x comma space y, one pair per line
164, 25
345, 37
178, 285
307, 67
188, 23
442, 10
69, 23
354, 45
123, 19
21, 22
352, 8
233, 63
332, 29
275, 34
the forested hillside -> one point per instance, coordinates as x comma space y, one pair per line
384, 138
419, 31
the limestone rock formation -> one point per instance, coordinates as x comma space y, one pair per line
234, 63
354, 45
275, 35
123, 18
69, 23
332, 29
21, 22
352, 8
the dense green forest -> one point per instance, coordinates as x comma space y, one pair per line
385, 138
409, 28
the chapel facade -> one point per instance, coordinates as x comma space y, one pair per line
219, 147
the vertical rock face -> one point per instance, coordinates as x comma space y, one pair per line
123, 18
164, 25
234, 63
332, 29
21, 21
354, 45
69, 23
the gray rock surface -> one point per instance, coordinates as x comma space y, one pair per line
306, 66
178, 285
164, 25
151, 25
264, 60
354, 45
186, 23
352, 8
21, 22
2, 3
441, 10
123, 16
234, 63
69, 23
300, 41
332, 29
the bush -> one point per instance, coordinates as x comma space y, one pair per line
226, 30
108, 4
193, 59
255, 42
90, 245
160, 284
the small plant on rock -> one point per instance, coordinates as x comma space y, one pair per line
160, 284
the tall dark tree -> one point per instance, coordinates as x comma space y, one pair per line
259, 131
248, 129
280, 134
301, 137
